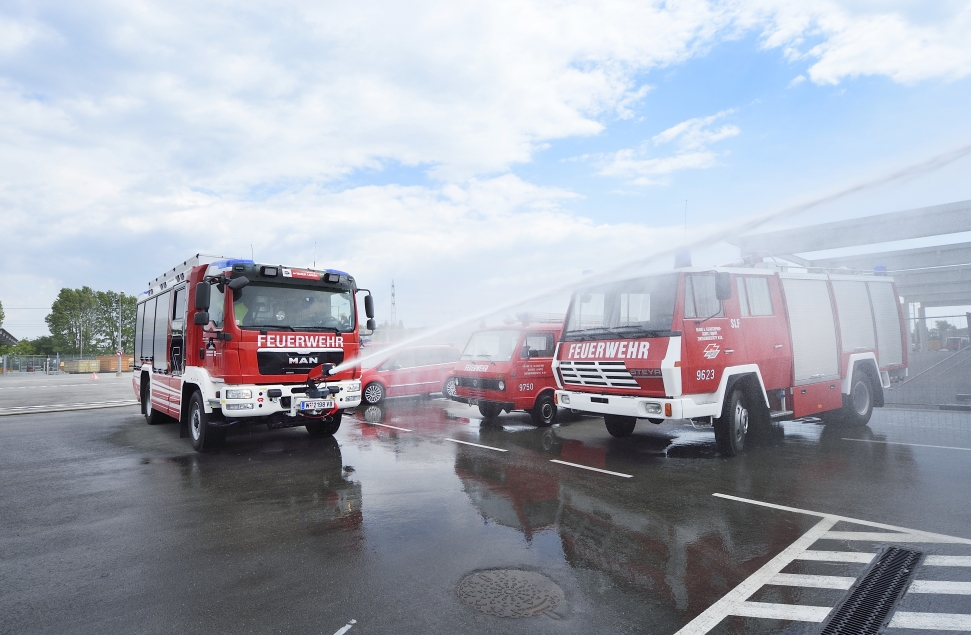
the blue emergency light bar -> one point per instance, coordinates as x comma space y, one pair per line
226, 265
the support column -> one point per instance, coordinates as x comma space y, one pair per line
922, 328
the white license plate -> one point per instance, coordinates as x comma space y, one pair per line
322, 404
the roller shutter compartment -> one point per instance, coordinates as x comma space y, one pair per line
855, 316
814, 349
884, 301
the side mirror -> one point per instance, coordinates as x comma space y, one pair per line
371, 324
723, 285
369, 306
238, 283
202, 297
534, 352
201, 318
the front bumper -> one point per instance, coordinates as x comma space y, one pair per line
260, 404
475, 401
637, 407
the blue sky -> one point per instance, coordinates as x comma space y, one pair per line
474, 152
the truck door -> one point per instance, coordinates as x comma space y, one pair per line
211, 347
710, 342
762, 325
534, 367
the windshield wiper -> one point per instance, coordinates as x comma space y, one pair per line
334, 329
275, 327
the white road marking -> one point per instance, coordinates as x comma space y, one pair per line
884, 536
931, 621
732, 601
345, 628
771, 611
47, 386
478, 445
384, 425
947, 561
940, 586
65, 407
813, 581
592, 469
837, 556
918, 445
914, 532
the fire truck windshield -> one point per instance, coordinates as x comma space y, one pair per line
265, 306
641, 307
495, 346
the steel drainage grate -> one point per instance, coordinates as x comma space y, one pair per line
510, 593
866, 608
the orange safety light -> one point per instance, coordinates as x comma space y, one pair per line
667, 410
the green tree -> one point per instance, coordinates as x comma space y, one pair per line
106, 321
73, 320
1, 314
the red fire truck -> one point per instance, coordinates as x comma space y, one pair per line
222, 342
733, 347
508, 368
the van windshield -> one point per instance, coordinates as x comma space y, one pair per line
642, 307
494, 346
293, 308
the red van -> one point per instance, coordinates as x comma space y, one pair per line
509, 368
420, 370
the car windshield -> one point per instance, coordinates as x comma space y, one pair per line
640, 307
494, 346
293, 308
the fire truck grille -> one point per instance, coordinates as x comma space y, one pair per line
477, 382
276, 363
607, 374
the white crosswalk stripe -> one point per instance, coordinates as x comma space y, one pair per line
737, 602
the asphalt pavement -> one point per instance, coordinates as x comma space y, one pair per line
420, 517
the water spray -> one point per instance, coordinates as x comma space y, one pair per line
911, 171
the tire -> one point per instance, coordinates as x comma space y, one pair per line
544, 411
325, 428
733, 425
619, 426
448, 388
152, 417
373, 393
489, 410
202, 436
858, 405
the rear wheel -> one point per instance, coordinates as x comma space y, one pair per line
448, 389
544, 411
325, 427
858, 405
152, 416
619, 426
732, 426
489, 410
202, 436
374, 393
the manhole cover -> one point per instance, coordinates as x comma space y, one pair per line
510, 593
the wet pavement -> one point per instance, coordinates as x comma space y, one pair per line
398, 522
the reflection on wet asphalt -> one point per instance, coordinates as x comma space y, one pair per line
109, 524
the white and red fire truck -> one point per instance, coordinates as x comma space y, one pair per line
733, 347
509, 368
223, 342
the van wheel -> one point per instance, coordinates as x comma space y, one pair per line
374, 393
326, 427
489, 410
732, 426
858, 405
448, 390
152, 417
544, 411
619, 426
202, 436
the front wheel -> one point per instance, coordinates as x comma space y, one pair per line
732, 426
619, 426
373, 393
326, 427
544, 411
489, 410
202, 436
448, 389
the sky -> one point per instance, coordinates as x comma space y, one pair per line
472, 152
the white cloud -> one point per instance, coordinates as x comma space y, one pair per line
690, 138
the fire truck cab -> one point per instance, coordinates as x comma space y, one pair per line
733, 347
224, 342
509, 368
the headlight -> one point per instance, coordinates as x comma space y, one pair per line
502, 385
239, 394
653, 408
354, 386
238, 406
565, 399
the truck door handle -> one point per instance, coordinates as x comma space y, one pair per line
777, 346
729, 350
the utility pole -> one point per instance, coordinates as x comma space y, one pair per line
120, 350
394, 314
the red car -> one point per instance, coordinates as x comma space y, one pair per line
412, 371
